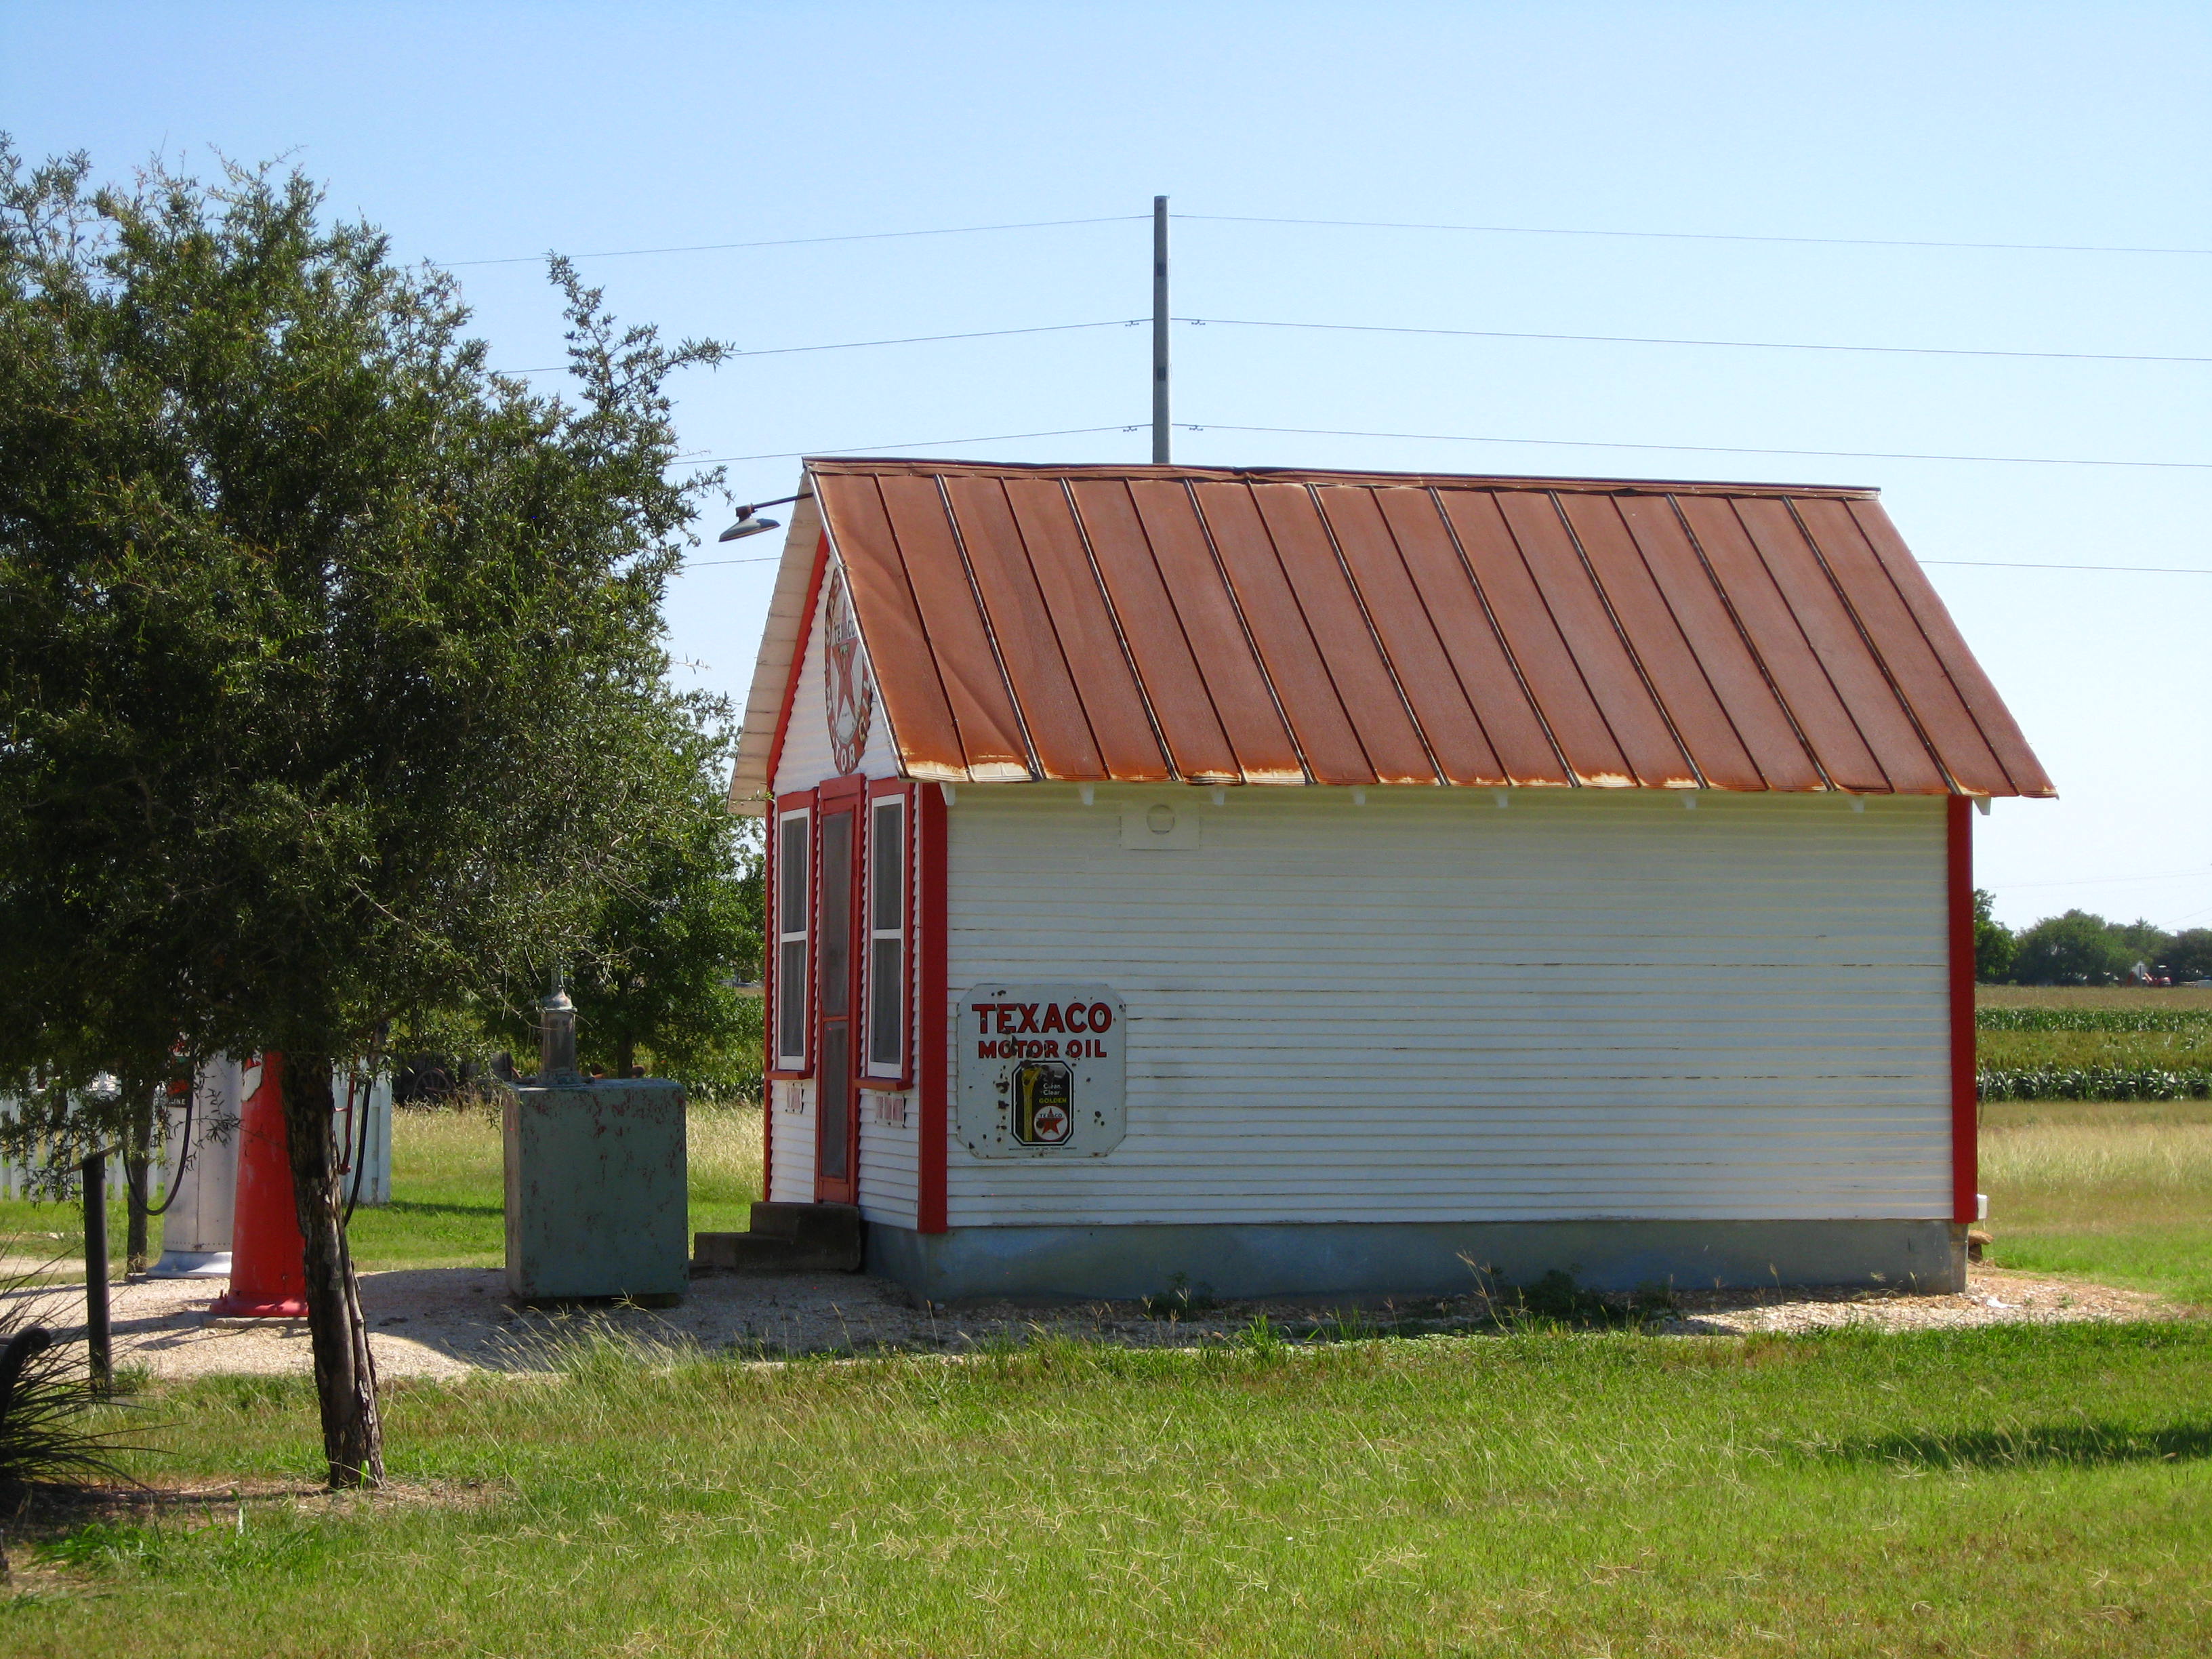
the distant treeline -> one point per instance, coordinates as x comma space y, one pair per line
2079, 948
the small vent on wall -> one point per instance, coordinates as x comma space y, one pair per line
1159, 826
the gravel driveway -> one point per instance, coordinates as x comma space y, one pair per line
445, 1321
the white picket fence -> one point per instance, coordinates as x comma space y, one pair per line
19, 1180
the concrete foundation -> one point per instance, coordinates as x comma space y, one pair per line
1414, 1258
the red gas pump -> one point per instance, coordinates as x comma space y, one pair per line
268, 1258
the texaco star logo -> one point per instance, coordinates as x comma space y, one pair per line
847, 686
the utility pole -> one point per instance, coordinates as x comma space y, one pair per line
1160, 456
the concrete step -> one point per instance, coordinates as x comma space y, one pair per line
786, 1238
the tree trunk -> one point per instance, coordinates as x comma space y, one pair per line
137, 1161
625, 1056
345, 1372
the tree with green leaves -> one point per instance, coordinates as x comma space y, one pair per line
2076, 948
660, 970
332, 692
2189, 954
1994, 943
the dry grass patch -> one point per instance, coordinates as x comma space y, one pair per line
2118, 1191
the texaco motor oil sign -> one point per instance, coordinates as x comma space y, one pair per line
1041, 1071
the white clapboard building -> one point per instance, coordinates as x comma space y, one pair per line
1310, 882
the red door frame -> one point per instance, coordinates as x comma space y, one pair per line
846, 796
932, 970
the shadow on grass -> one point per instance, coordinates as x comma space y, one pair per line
2042, 1445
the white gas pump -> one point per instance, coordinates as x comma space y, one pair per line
202, 1176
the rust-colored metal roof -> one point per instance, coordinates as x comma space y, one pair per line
1149, 624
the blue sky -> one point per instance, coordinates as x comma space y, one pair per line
488, 131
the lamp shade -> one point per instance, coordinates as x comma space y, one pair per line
749, 523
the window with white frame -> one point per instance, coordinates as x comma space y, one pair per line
887, 950
794, 860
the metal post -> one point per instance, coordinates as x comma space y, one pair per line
1160, 456
99, 1346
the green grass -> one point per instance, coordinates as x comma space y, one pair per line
2117, 1192
2172, 998
2034, 1042
448, 1190
2181, 1050
2024, 1490
2121, 1193
1994, 1492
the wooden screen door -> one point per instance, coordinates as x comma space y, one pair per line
837, 1083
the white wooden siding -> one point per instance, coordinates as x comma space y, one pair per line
791, 1158
889, 1158
889, 1150
806, 760
1587, 1004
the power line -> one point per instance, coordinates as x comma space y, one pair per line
1562, 443
1456, 333
910, 340
911, 443
1345, 224
1666, 340
1694, 235
2128, 570
2099, 881
795, 241
1700, 449
708, 564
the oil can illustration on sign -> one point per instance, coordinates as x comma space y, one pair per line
1040, 1070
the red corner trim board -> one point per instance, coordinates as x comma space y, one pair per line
1966, 1124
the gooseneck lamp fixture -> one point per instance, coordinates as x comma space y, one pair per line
750, 523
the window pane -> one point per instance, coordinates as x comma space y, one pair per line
834, 951
886, 1004
887, 868
833, 1113
791, 877
790, 999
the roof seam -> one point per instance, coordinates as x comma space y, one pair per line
990, 634
1183, 628
1121, 634
1866, 637
914, 600
1642, 674
1058, 645
1874, 755
1505, 645
1566, 643
1298, 605
1382, 652
1751, 650
1957, 690
1428, 616
1251, 644
1696, 658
